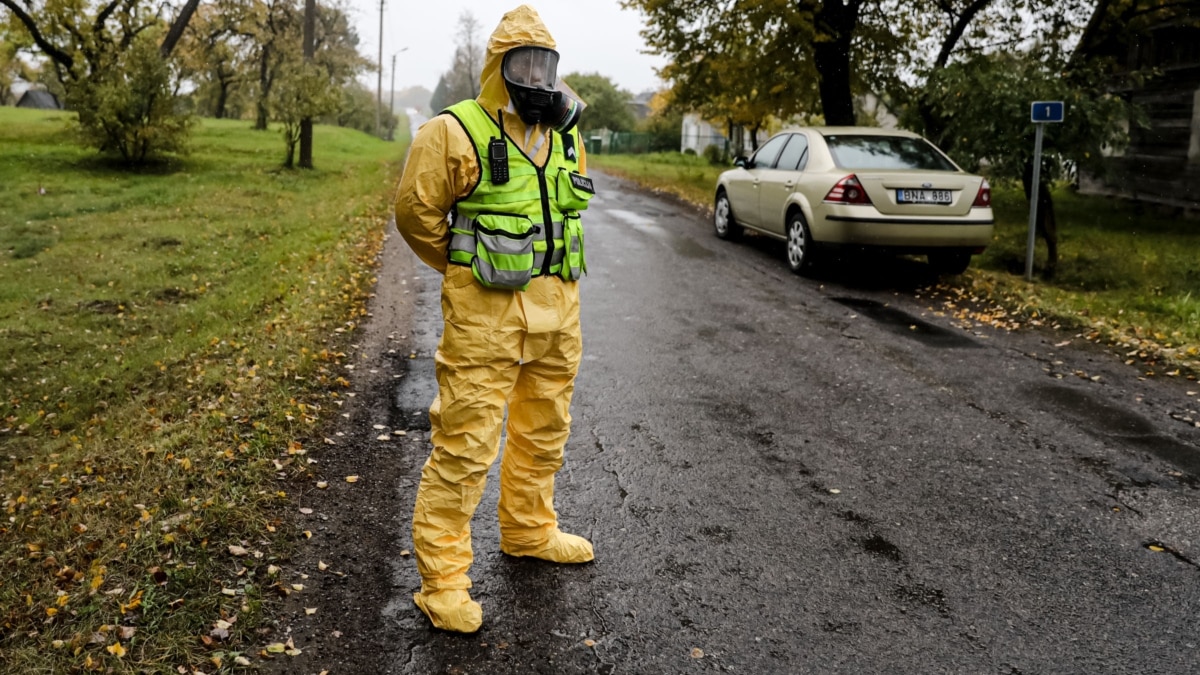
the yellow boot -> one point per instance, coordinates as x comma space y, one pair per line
450, 609
560, 548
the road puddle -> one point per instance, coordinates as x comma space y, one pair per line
903, 323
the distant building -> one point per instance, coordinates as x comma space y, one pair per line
1162, 163
697, 134
640, 105
40, 99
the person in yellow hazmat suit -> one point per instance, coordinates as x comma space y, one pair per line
491, 196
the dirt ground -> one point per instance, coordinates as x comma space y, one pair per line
358, 528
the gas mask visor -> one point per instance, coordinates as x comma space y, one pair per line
531, 77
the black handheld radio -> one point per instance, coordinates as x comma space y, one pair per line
498, 160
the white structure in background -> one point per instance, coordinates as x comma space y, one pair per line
697, 135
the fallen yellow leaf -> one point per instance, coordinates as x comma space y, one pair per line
116, 649
351, 479
310, 610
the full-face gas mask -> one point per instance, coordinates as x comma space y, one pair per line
531, 77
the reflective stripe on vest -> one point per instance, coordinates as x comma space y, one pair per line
490, 229
464, 248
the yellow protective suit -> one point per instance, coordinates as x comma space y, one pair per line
499, 348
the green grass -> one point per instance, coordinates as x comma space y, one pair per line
1127, 275
169, 341
689, 177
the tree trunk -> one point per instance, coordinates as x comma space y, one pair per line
833, 66
222, 99
264, 89
1046, 225
176, 31
306, 125
835, 23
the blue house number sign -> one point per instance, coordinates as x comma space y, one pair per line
1046, 111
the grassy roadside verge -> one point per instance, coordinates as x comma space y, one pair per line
1127, 276
169, 340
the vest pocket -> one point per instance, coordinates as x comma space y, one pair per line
503, 250
573, 265
573, 190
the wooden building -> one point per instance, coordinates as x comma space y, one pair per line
1162, 163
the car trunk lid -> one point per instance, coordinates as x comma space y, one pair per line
920, 193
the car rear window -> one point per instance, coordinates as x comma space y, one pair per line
886, 152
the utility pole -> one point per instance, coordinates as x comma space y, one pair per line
306, 126
392, 101
379, 79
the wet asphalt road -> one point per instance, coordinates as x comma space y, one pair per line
788, 475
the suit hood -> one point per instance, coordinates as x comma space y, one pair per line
521, 27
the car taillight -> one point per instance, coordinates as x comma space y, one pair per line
984, 198
848, 191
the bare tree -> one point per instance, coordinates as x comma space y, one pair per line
469, 54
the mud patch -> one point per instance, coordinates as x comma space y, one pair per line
172, 295
852, 517
920, 594
688, 248
415, 391
902, 323
103, 306
877, 545
717, 533
736, 414
1105, 420
841, 627
673, 569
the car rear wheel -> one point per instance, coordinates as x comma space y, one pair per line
800, 248
723, 223
949, 262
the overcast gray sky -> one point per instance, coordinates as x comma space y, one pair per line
594, 36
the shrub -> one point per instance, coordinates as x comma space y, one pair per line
130, 107
715, 155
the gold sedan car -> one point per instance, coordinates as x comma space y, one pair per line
822, 187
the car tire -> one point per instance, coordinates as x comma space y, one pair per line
724, 223
949, 262
801, 249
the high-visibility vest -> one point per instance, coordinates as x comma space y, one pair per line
511, 231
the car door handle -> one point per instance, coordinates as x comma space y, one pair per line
789, 184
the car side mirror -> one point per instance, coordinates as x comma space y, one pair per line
742, 162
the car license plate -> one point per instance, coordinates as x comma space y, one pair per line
923, 196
